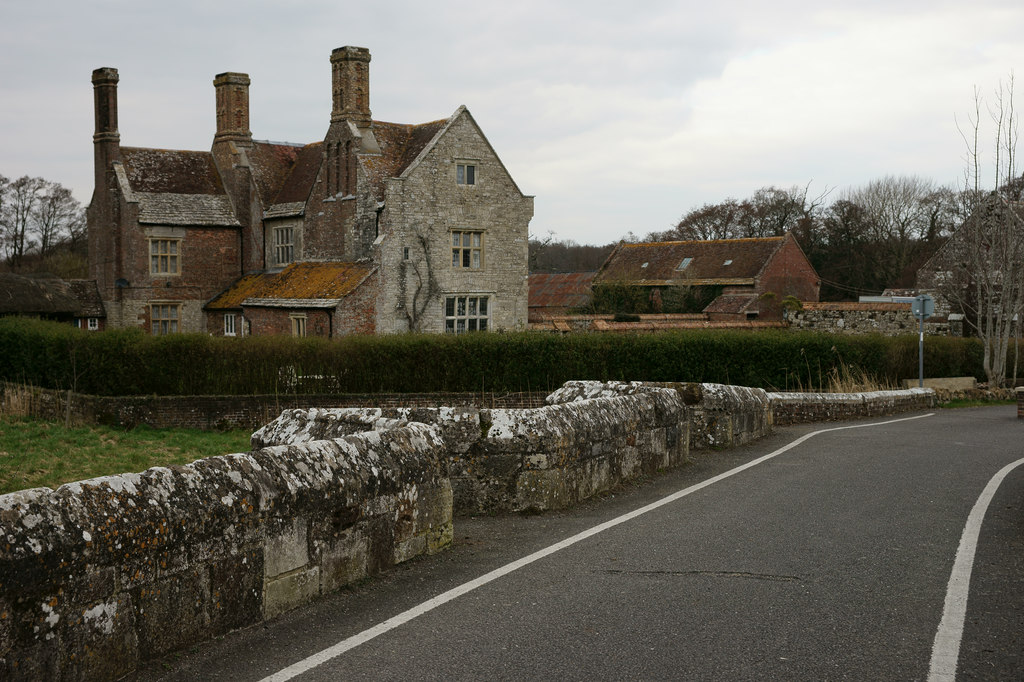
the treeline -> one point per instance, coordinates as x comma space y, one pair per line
128, 362
42, 228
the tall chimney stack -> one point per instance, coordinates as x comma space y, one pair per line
106, 140
350, 85
232, 107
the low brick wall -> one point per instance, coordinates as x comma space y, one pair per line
99, 575
210, 413
796, 408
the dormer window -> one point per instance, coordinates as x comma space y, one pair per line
684, 263
465, 173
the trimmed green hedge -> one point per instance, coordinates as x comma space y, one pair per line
128, 362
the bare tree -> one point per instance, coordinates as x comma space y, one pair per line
984, 264
898, 214
57, 216
36, 214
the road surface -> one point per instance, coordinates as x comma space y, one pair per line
825, 552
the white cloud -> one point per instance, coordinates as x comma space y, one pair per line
618, 118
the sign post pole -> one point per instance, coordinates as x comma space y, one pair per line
923, 307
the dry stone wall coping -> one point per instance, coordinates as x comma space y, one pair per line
98, 575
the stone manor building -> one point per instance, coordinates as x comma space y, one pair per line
377, 228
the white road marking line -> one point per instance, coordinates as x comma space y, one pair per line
352, 642
946, 647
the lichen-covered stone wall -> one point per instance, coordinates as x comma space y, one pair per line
99, 575
717, 415
795, 408
518, 460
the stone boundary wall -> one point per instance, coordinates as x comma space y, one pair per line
524, 460
718, 415
890, 319
208, 413
100, 575
797, 408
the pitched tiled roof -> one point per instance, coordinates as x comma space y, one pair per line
400, 144
167, 208
733, 304
271, 164
722, 261
42, 295
560, 290
87, 294
324, 283
169, 170
297, 185
232, 297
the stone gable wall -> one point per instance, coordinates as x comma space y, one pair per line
428, 203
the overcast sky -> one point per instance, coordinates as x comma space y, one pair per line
618, 116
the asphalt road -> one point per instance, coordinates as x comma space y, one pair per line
829, 561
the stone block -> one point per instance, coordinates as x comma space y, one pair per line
287, 549
290, 590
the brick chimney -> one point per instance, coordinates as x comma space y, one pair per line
106, 140
350, 85
232, 108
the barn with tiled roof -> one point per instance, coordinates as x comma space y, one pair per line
750, 276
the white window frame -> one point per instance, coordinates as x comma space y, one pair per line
164, 318
229, 324
93, 323
467, 313
467, 249
164, 256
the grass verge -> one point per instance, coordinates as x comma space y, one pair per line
36, 453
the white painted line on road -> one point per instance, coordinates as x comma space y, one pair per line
946, 647
352, 642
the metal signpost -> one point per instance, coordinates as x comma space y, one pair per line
923, 307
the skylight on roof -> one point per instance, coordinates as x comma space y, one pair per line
682, 266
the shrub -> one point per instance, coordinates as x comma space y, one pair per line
129, 362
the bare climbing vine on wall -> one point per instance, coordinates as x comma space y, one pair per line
420, 273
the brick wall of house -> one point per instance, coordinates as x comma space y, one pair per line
789, 273
357, 313
429, 203
268, 321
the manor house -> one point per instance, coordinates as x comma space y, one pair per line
380, 227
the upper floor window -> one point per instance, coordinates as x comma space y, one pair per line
163, 256
465, 314
284, 245
465, 173
164, 318
467, 249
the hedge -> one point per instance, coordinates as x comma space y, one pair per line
129, 362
